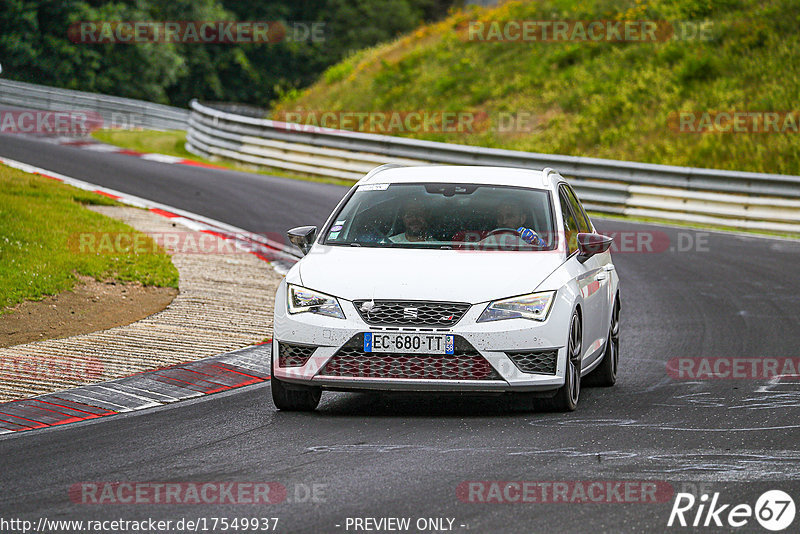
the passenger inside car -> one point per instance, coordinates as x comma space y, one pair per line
510, 217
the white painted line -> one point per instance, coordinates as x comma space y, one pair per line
162, 397
161, 158
85, 396
100, 147
146, 402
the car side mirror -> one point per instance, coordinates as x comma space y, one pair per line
302, 237
591, 244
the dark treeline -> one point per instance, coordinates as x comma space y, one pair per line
35, 46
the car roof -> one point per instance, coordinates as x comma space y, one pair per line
534, 179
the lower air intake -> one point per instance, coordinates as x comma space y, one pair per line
291, 355
539, 362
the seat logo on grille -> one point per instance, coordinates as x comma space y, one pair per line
409, 313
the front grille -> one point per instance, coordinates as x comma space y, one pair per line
290, 355
412, 312
542, 362
464, 364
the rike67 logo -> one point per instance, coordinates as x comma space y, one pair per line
774, 510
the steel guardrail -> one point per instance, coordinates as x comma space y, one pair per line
117, 112
746, 200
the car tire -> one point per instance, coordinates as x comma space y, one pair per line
566, 397
605, 375
294, 398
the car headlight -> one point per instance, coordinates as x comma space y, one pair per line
534, 306
302, 300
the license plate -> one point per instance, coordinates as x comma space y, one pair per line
408, 343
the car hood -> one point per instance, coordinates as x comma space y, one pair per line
415, 274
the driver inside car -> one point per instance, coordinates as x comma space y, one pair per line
415, 220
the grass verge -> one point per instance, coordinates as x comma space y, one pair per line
40, 218
173, 144
584, 97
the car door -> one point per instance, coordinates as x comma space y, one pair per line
591, 276
603, 260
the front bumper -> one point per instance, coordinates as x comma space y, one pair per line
491, 341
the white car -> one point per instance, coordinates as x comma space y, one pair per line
449, 278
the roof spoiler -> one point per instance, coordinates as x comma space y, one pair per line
381, 168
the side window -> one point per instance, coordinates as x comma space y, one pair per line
583, 220
570, 226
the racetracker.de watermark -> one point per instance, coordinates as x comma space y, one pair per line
104, 493
66, 123
724, 122
37, 122
208, 242
178, 242
50, 367
624, 241
196, 32
562, 31
396, 122
566, 491
393, 122
733, 368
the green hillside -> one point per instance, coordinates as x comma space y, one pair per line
618, 100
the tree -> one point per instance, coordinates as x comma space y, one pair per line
35, 46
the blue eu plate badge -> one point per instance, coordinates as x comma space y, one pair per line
367, 341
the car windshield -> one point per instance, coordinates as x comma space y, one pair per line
445, 215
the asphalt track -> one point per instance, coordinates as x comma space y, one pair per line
405, 456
